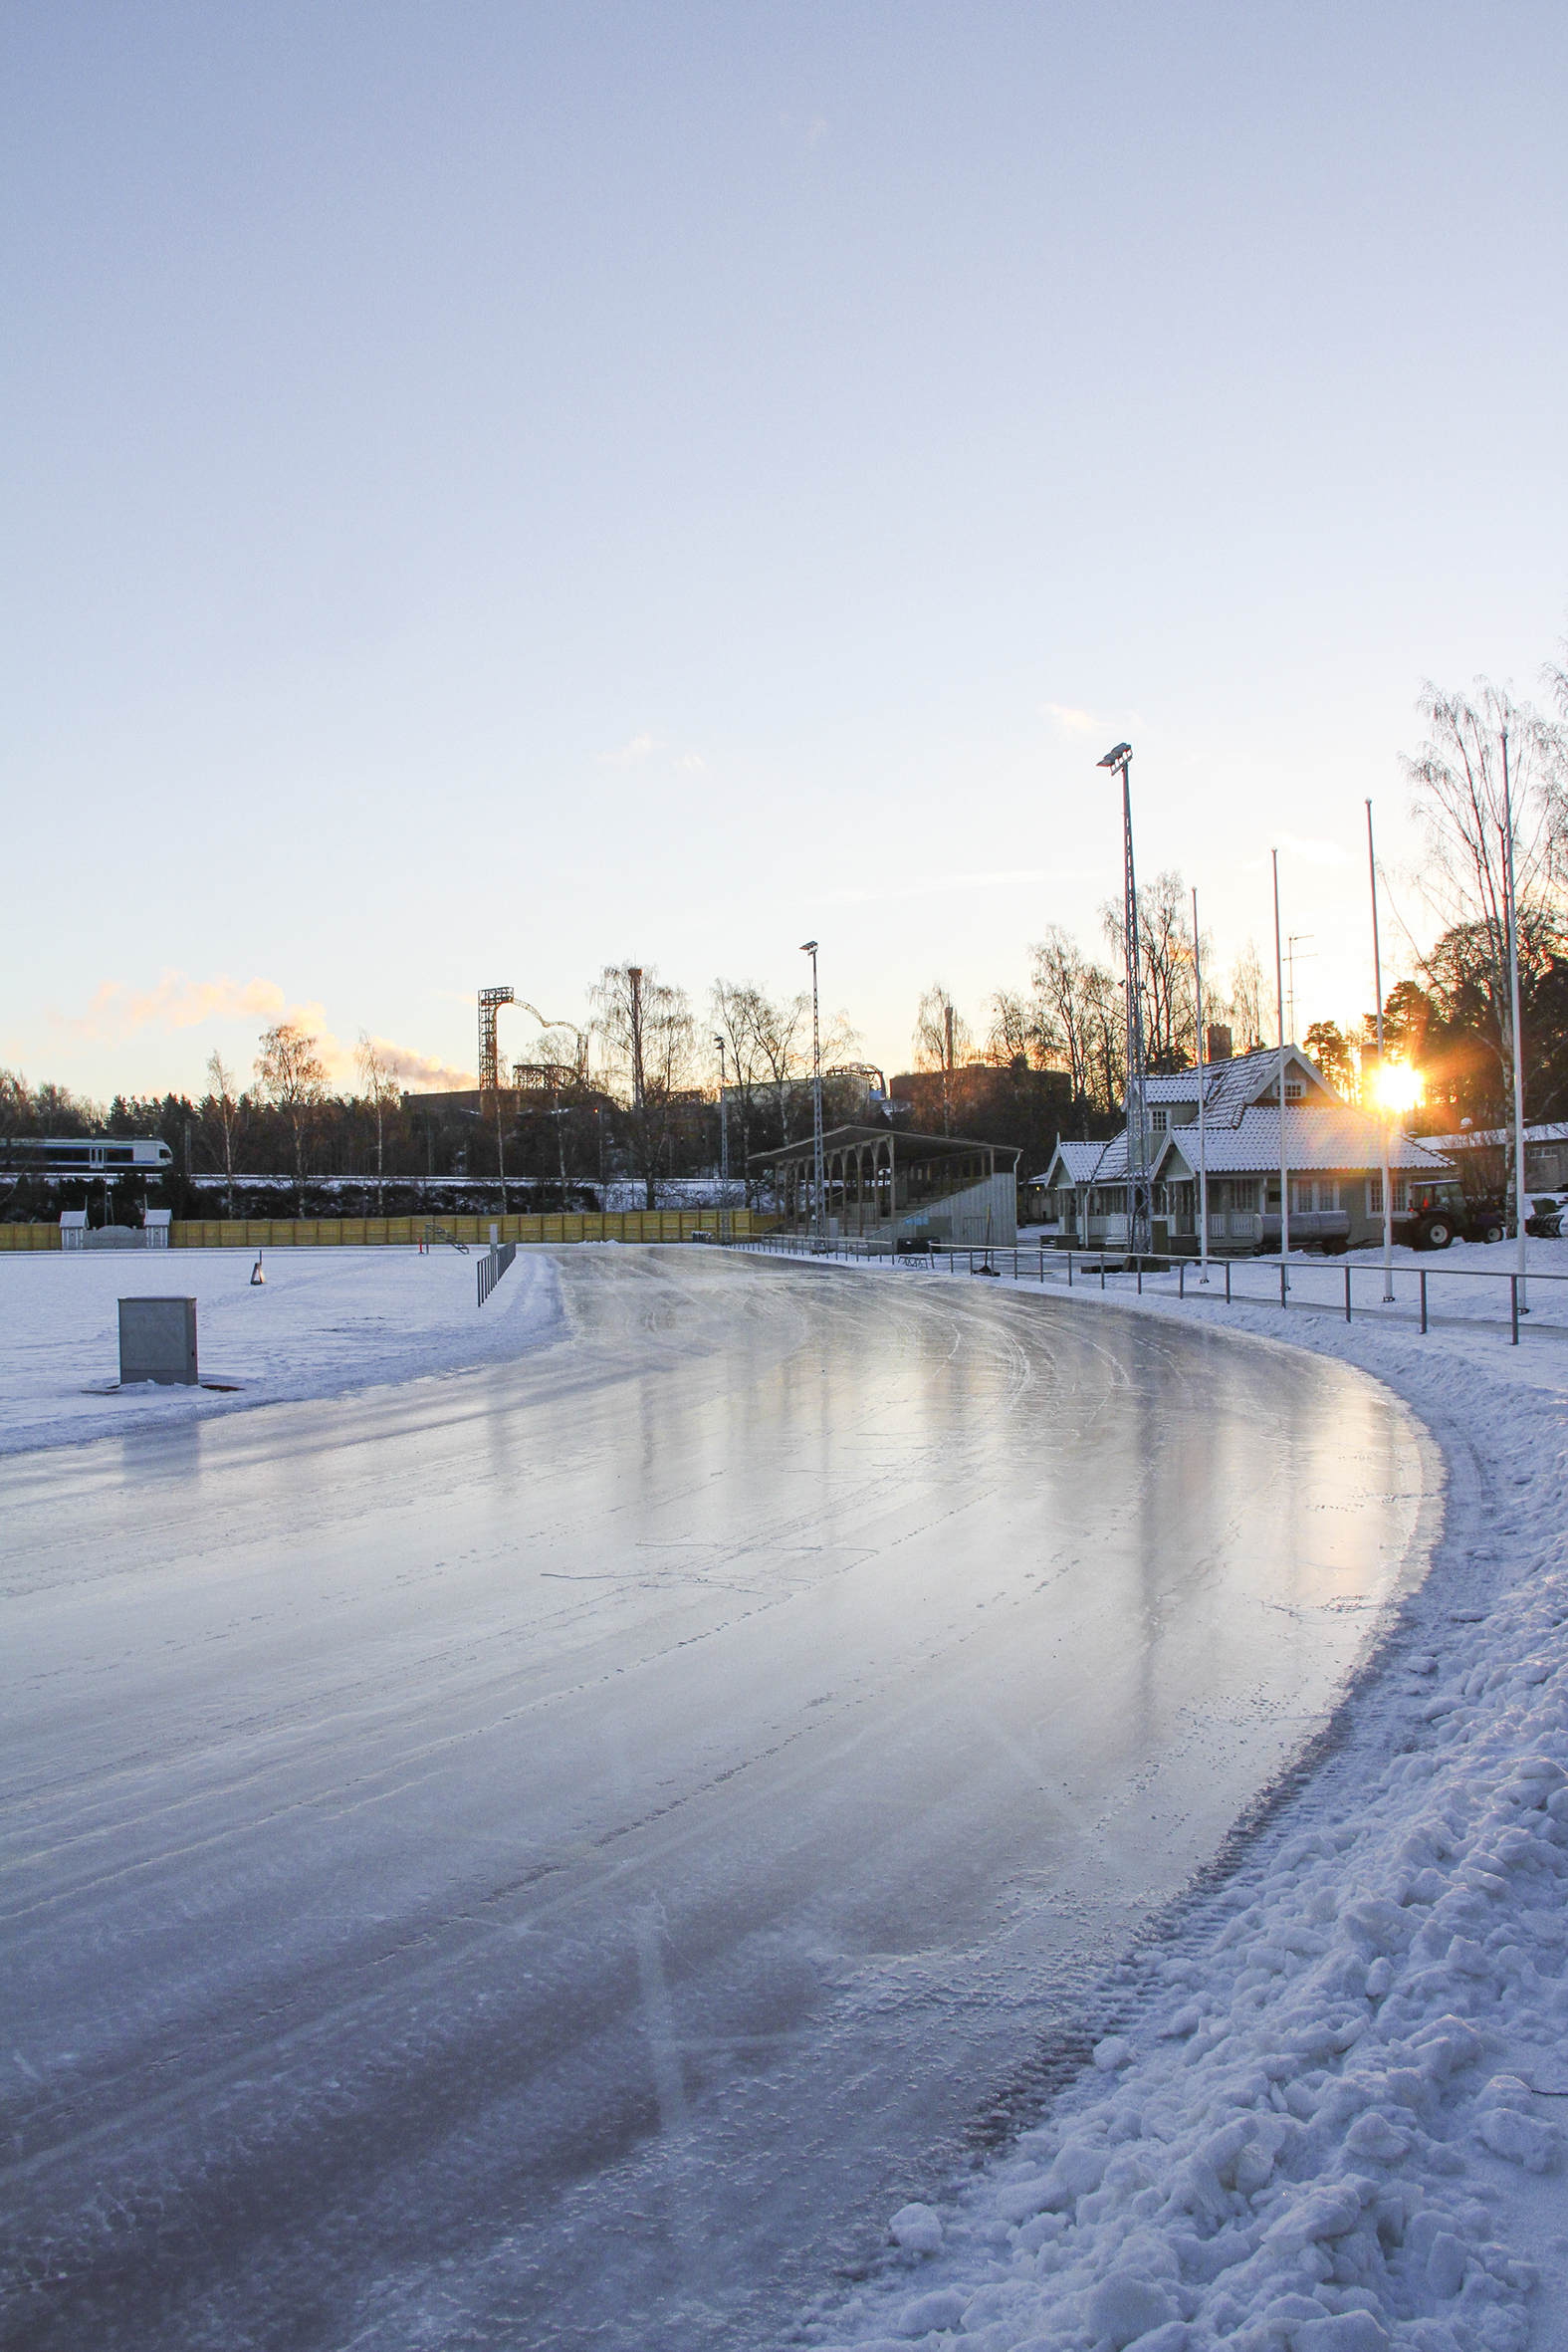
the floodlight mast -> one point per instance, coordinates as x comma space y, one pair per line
490, 1002
820, 1218
1140, 1198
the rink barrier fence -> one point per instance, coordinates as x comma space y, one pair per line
1019, 1260
325, 1233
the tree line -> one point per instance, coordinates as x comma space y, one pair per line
1045, 1058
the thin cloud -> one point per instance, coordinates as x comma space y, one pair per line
640, 747
648, 746
1313, 852
176, 1001
1068, 721
817, 132
940, 885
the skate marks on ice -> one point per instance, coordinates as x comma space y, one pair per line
536, 1858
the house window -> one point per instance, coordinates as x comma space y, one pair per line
1301, 1197
1292, 1089
1375, 1196
1157, 1122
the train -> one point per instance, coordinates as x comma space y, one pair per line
108, 1157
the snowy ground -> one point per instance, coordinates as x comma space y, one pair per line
1328, 2110
326, 1322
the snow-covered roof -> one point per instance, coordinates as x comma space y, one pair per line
1232, 1088
1075, 1163
1315, 1137
1474, 1138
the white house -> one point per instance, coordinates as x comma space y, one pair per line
1333, 1152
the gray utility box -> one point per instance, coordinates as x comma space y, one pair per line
157, 1341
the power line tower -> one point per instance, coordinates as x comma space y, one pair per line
1140, 1194
490, 1002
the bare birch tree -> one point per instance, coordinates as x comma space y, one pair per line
1012, 1038
780, 1024
1165, 958
1484, 755
741, 1012
1247, 1000
292, 1076
943, 1040
650, 1042
1106, 999
378, 1087
1058, 975
225, 1105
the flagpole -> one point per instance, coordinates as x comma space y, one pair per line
1383, 1119
1284, 1165
1519, 1044
1202, 1147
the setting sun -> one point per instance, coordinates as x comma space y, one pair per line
1397, 1086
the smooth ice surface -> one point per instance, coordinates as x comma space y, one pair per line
560, 1853
1328, 2116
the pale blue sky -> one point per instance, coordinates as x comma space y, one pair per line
488, 491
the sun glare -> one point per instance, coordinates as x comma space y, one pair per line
1399, 1086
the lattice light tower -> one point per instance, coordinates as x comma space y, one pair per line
490, 1002
1140, 1193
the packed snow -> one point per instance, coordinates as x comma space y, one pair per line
324, 1323
1326, 2109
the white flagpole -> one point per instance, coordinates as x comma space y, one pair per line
1284, 1165
1383, 1115
1519, 1044
1202, 1147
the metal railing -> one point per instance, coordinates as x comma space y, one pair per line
1306, 1286
492, 1265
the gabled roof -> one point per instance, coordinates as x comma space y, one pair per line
1327, 1139
1233, 1087
1079, 1162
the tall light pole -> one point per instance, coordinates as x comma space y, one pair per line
1377, 982
1518, 1045
1203, 1140
1140, 1202
724, 1147
1284, 1163
820, 1218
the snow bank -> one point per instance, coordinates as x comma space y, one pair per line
1328, 2110
327, 1321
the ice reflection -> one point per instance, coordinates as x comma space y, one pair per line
548, 1856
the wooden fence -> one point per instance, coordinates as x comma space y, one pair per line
330, 1233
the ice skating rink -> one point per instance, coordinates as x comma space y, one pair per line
555, 1852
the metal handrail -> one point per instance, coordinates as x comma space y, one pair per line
854, 1248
